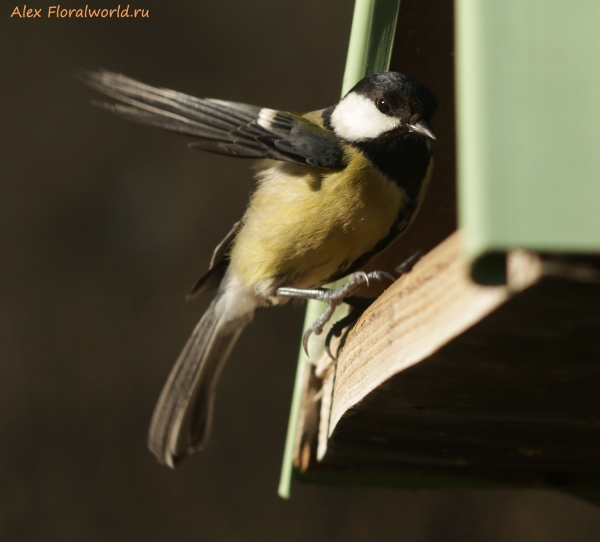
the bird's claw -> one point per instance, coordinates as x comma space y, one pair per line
407, 265
335, 297
318, 325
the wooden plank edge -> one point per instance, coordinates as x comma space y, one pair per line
415, 317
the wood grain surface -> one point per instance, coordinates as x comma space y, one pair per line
443, 377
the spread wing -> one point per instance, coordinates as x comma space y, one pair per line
218, 126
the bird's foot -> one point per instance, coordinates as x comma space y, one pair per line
407, 265
333, 298
358, 305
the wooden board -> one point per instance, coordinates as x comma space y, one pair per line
446, 378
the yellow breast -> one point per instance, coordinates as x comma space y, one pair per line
303, 225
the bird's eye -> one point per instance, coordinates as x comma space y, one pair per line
383, 105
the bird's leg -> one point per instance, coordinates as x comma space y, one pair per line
333, 298
407, 265
358, 305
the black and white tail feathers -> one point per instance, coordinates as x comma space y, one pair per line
182, 417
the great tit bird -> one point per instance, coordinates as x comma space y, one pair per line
335, 187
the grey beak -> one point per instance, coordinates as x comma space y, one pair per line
422, 128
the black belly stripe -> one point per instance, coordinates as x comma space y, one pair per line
402, 221
405, 162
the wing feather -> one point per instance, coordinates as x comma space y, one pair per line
220, 126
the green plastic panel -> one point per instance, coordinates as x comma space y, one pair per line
528, 111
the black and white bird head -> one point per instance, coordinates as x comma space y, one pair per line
383, 106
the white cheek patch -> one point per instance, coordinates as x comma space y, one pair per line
266, 117
357, 118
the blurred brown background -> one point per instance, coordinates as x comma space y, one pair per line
105, 225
